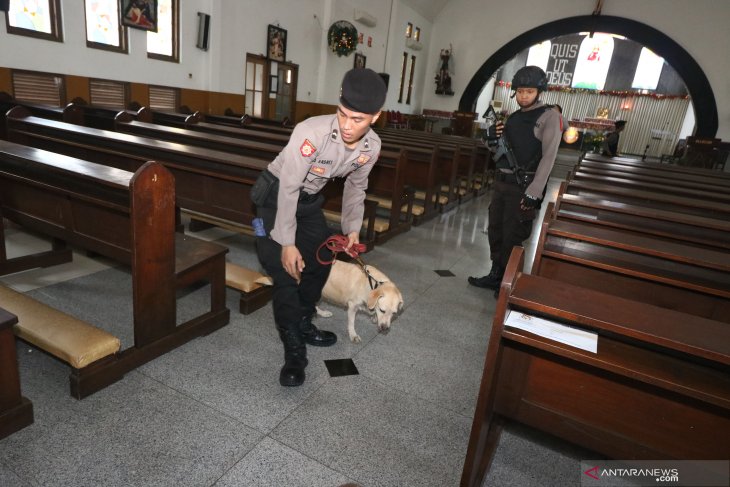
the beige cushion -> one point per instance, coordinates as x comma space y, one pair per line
244, 279
442, 199
70, 339
381, 225
416, 209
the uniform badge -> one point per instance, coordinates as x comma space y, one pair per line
307, 149
318, 170
363, 159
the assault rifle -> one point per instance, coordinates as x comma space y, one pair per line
503, 148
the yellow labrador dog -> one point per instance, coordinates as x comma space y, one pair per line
348, 286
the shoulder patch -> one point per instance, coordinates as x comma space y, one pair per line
307, 148
363, 159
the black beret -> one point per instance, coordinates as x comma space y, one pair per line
363, 90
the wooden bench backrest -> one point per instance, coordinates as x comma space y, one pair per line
684, 189
127, 217
702, 231
664, 200
662, 273
663, 167
661, 173
208, 181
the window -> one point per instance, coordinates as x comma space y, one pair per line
410, 80
255, 67
417, 34
165, 43
539, 55
110, 94
35, 18
102, 26
42, 88
402, 77
163, 98
409, 30
648, 70
594, 58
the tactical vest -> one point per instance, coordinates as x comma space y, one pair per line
520, 132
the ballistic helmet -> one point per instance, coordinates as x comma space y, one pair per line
530, 77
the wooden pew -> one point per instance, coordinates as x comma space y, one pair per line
687, 189
657, 386
385, 180
169, 118
128, 217
702, 231
635, 170
16, 412
662, 200
208, 182
668, 168
420, 168
663, 273
212, 186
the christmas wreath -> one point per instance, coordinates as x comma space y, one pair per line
342, 38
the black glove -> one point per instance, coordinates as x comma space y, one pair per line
529, 202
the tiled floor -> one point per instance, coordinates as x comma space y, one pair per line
212, 412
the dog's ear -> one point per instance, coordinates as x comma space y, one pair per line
373, 297
400, 307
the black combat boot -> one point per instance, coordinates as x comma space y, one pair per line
491, 280
313, 336
295, 358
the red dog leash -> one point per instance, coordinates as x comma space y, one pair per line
338, 243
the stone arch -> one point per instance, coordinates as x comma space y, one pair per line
683, 63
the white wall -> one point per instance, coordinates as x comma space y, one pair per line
475, 28
73, 57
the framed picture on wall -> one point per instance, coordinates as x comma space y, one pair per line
139, 14
360, 60
276, 42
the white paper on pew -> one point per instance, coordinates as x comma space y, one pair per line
575, 337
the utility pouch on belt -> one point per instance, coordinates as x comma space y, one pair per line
266, 185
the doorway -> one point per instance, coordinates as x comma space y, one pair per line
271, 88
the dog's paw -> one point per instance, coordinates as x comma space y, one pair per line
355, 338
323, 312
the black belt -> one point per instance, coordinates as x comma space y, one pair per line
505, 177
305, 197
508, 177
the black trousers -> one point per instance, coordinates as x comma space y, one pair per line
508, 225
293, 301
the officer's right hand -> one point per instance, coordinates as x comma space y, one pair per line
292, 262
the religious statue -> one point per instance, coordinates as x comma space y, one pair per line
443, 77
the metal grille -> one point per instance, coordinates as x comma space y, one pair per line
653, 124
163, 98
42, 88
111, 94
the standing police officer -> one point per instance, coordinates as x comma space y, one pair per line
534, 133
288, 201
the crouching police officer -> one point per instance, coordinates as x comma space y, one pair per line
288, 201
534, 133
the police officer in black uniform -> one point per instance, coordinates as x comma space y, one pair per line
289, 207
534, 133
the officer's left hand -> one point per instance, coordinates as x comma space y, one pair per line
352, 239
529, 202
